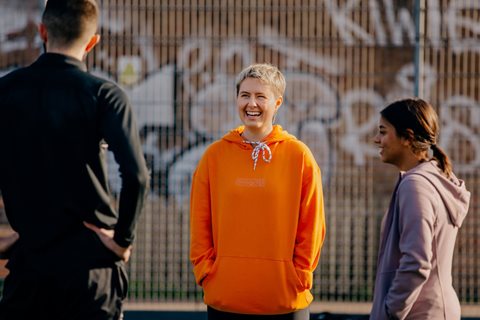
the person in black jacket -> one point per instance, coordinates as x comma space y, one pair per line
67, 255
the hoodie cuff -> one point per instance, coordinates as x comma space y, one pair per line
202, 270
305, 277
122, 242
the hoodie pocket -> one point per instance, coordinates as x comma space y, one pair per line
210, 273
254, 285
295, 277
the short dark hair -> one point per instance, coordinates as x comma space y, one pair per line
67, 21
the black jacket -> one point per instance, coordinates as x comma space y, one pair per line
55, 122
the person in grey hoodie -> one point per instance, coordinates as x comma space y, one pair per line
419, 229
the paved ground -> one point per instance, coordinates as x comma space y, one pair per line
192, 315
319, 310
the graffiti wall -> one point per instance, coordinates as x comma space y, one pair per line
343, 61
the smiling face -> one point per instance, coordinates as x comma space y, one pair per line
392, 148
257, 105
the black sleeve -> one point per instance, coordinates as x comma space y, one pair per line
118, 128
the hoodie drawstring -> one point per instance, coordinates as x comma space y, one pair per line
257, 147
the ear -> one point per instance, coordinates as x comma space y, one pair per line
278, 102
407, 141
42, 30
92, 42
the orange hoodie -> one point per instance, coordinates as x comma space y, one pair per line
256, 233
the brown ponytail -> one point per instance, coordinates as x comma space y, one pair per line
443, 161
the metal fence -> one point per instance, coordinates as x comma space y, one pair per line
343, 60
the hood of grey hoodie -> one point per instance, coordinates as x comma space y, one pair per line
452, 190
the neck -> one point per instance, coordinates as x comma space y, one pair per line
255, 136
76, 49
77, 54
411, 162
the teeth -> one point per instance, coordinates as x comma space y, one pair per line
253, 114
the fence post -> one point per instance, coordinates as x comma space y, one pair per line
419, 12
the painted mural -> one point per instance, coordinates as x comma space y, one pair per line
182, 87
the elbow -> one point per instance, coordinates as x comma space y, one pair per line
139, 180
143, 179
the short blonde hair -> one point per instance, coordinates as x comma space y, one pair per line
265, 72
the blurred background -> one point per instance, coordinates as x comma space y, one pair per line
343, 60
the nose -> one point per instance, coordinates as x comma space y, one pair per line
252, 101
376, 139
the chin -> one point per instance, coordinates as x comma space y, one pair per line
383, 159
389, 162
252, 125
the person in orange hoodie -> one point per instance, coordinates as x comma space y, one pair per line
256, 211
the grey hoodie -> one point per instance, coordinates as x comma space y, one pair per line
417, 243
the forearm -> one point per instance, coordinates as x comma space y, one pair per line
311, 229
405, 290
132, 199
416, 220
118, 128
202, 251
